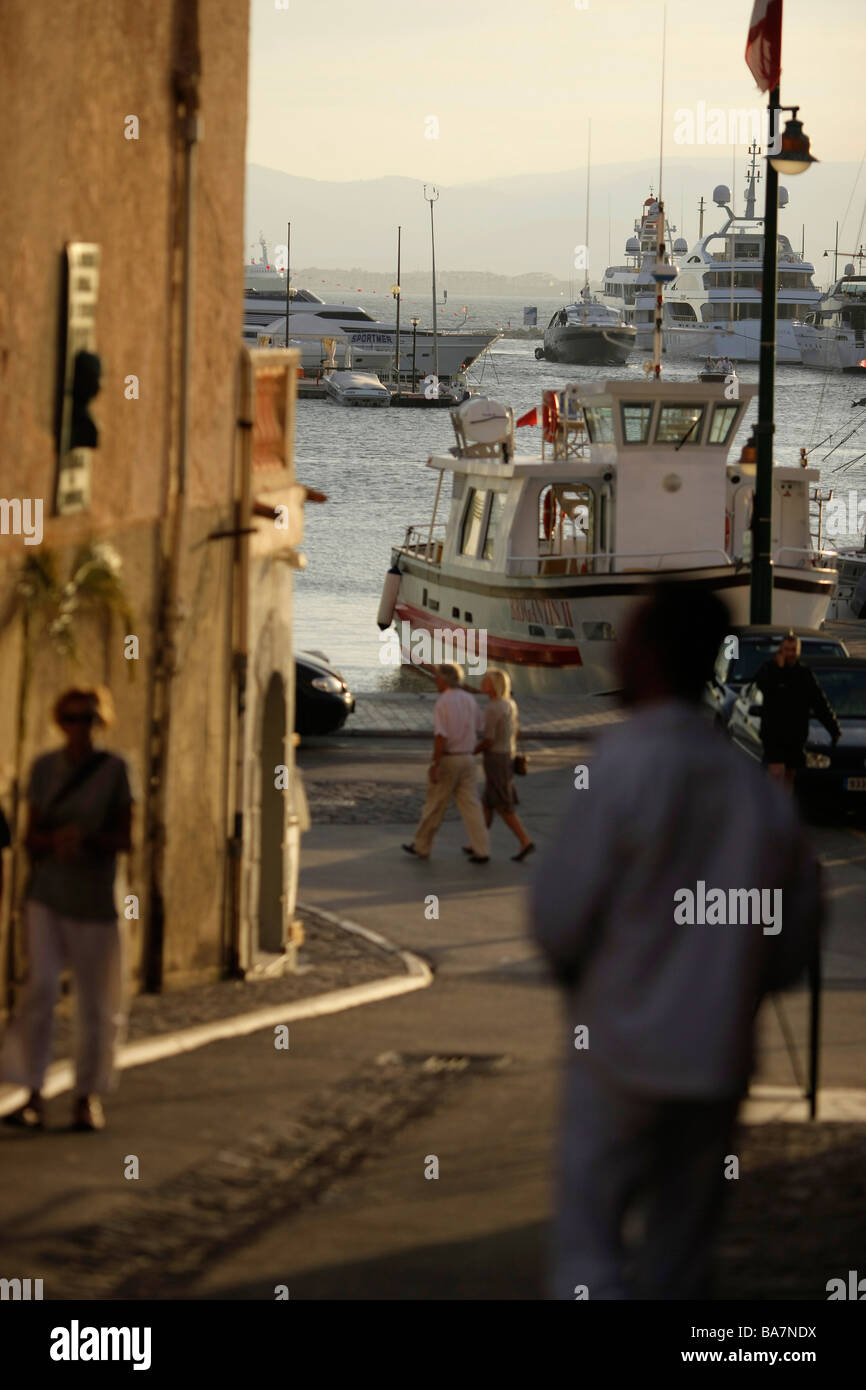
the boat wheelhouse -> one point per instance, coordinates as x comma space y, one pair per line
544, 554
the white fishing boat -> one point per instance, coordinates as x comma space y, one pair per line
356, 388
833, 336
544, 554
713, 307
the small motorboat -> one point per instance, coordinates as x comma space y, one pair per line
356, 388
717, 369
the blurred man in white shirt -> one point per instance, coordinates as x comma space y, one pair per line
662, 1002
457, 728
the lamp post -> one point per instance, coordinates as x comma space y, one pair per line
414, 323
431, 200
792, 158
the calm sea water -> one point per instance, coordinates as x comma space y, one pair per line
371, 464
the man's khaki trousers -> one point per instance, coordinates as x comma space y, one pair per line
458, 778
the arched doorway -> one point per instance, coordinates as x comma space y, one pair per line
272, 819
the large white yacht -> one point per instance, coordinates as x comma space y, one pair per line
545, 553
371, 342
630, 288
713, 307
833, 336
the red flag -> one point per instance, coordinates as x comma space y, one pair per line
764, 44
530, 418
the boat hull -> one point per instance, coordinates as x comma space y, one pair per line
741, 344
576, 345
829, 351
557, 637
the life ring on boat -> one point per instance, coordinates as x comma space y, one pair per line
550, 415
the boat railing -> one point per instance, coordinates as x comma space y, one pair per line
612, 562
805, 557
425, 542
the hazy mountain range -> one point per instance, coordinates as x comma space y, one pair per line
507, 226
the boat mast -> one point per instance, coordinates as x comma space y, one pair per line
586, 233
658, 268
431, 200
397, 297
288, 276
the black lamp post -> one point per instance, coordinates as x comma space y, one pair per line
793, 158
414, 323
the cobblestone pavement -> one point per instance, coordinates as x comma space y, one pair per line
330, 958
367, 802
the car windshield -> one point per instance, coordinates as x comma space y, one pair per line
753, 655
846, 691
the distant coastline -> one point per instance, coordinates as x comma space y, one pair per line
458, 283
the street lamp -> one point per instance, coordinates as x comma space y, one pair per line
794, 157
414, 323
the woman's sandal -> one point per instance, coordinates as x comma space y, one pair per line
28, 1116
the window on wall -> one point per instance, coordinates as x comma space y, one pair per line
473, 513
494, 515
679, 424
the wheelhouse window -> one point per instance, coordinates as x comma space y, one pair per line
599, 423
494, 514
722, 423
679, 424
565, 519
470, 530
636, 422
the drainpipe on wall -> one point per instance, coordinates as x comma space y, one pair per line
186, 78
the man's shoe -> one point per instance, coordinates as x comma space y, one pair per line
28, 1116
88, 1115
410, 849
467, 849
479, 859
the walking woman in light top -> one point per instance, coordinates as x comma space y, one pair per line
499, 746
80, 819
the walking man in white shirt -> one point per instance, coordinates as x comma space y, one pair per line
662, 1001
458, 725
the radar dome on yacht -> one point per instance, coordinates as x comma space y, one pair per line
483, 421
849, 269
632, 246
680, 246
783, 197
721, 194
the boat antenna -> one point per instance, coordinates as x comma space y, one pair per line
662, 111
434, 194
288, 277
586, 233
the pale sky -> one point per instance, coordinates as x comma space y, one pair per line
343, 89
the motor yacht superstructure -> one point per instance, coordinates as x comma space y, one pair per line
713, 307
372, 342
545, 553
833, 335
630, 289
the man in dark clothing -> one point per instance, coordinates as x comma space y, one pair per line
791, 694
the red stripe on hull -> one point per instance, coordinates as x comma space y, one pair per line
498, 648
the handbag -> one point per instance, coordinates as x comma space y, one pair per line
520, 762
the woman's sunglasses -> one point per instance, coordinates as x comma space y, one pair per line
79, 718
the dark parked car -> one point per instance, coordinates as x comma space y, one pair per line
323, 701
834, 777
755, 645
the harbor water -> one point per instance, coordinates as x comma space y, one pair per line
371, 465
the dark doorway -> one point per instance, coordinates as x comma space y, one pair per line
272, 819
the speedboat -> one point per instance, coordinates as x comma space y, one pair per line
543, 554
353, 387
586, 333
713, 307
